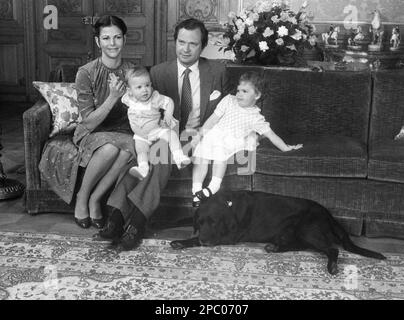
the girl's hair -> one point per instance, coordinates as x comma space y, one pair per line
193, 24
108, 21
136, 71
255, 79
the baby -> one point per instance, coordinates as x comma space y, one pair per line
231, 128
144, 105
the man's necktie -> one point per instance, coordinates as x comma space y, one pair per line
186, 100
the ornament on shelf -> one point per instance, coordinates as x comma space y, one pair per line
395, 39
377, 32
354, 42
330, 38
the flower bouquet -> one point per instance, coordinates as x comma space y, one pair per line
268, 33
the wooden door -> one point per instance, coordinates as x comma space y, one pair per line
139, 17
71, 43
14, 49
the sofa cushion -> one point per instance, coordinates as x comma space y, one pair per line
62, 100
321, 156
386, 160
387, 114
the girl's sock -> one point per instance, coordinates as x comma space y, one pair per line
140, 171
214, 185
196, 186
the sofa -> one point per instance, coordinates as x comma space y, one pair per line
350, 162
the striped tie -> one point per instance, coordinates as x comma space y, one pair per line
186, 100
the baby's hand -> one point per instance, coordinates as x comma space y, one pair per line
293, 147
195, 140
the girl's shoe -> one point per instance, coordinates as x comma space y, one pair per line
201, 197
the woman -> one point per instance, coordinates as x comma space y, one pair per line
103, 137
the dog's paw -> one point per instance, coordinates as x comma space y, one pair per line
271, 248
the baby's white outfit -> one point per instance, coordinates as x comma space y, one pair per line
145, 122
145, 117
235, 131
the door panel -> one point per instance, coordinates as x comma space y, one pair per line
71, 43
12, 45
139, 17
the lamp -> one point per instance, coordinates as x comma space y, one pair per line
9, 188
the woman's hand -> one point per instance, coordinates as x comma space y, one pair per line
116, 86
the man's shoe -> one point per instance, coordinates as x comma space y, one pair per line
114, 228
131, 239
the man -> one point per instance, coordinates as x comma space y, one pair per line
196, 86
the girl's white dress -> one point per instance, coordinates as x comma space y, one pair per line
235, 131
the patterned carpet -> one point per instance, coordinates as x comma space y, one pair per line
43, 266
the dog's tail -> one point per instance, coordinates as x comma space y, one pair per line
347, 243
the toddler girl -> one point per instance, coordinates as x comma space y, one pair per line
230, 129
144, 105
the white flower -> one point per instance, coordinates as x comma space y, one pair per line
243, 15
268, 32
304, 5
244, 48
284, 16
255, 16
283, 31
263, 46
232, 15
275, 19
237, 37
276, 3
298, 35
239, 23
249, 21
292, 20
280, 42
252, 30
231, 55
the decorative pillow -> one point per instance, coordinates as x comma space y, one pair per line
62, 99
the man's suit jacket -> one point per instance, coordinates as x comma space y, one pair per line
212, 77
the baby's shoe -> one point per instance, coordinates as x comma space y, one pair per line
180, 159
139, 172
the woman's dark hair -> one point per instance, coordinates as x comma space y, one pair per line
108, 21
193, 24
257, 81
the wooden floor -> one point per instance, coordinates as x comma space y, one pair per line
14, 218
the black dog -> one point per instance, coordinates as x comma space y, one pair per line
286, 223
